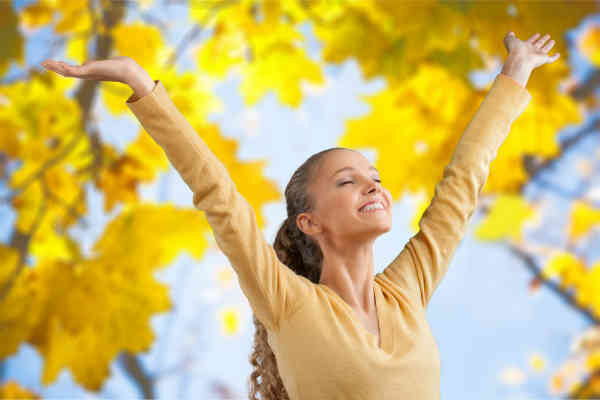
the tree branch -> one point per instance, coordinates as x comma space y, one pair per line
536, 168
135, 369
531, 264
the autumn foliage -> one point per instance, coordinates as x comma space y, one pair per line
78, 307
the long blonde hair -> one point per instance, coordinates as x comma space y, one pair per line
302, 254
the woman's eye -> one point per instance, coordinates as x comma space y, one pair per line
343, 183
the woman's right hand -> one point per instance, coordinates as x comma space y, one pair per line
117, 69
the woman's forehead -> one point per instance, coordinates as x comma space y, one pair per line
344, 159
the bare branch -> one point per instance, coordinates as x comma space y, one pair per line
536, 169
532, 266
136, 371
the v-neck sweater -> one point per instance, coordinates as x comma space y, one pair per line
322, 349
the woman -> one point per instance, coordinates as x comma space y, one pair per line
326, 328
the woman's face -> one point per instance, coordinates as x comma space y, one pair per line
344, 181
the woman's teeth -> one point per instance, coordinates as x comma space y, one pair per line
372, 207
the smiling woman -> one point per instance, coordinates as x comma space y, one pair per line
336, 208
326, 327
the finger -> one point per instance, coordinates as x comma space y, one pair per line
61, 68
531, 39
49, 64
548, 46
72, 70
551, 59
540, 42
53, 66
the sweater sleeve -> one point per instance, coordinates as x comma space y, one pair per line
424, 260
272, 288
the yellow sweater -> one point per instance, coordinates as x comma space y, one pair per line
322, 349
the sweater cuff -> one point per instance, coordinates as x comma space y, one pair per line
140, 103
511, 78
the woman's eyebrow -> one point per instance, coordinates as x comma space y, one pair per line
351, 168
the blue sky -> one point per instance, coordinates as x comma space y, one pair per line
482, 316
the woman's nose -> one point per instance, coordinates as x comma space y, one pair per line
372, 186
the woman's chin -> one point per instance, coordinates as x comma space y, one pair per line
380, 228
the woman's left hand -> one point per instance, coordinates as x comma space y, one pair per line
532, 52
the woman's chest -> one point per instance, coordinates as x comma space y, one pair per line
336, 347
335, 329
370, 323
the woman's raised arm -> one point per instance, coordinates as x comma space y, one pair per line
272, 289
424, 260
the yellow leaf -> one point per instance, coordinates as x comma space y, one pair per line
200, 10
9, 142
114, 95
37, 14
146, 150
38, 115
92, 309
420, 210
22, 310
589, 43
220, 52
567, 266
51, 245
229, 320
192, 93
559, 263
505, 218
12, 390
77, 49
9, 257
592, 361
352, 36
584, 218
537, 362
265, 73
26, 204
75, 16
271, 46
147, 46
180, 229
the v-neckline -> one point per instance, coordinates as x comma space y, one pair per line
378, 313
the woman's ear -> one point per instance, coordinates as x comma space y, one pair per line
306, 224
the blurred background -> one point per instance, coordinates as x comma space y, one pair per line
111, 283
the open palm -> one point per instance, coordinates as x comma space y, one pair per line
534, 50
113, 69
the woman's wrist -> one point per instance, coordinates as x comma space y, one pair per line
139, 81
517, 69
